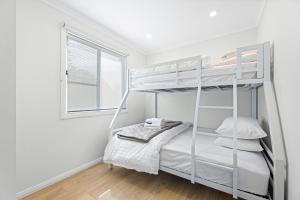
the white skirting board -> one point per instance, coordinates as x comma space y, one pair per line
57, 178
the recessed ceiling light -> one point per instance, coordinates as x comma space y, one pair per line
213, 13
149, 36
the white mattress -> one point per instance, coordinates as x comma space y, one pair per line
253, 173
187, 74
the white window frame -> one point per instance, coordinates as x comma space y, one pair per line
65, 31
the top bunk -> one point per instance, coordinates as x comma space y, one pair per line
250, 65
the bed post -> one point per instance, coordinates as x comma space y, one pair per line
195, 125
254, 103
194, 134
235, 162
155, 105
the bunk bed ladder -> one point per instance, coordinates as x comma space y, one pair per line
235, 115
195, 125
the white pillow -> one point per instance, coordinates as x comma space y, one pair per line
245, 145
228, 54
247, 128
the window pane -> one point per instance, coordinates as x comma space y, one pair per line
111, 80
82, 76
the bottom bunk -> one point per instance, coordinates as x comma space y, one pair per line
170, 151
214, 163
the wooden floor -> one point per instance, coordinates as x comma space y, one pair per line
100, 183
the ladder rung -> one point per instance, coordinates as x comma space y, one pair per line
216, 107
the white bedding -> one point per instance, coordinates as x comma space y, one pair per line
253, 173
143, 157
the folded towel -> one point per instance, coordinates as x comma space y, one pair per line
153, 122
158, 123
140, 133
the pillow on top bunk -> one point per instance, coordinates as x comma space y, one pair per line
232, 55
244, 145
228, 55
247, 128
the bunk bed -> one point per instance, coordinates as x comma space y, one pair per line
255, 176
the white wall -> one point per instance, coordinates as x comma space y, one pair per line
8, 99
280, 24
181, 105
214, 47
46, 145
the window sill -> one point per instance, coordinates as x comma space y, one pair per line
71, 115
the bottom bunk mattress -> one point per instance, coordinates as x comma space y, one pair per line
253, 172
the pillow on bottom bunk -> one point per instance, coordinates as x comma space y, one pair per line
244, 145
247, 128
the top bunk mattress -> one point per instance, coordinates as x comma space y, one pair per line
253, 172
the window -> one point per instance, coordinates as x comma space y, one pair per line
94, 76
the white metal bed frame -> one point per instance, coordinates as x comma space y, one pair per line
275, 159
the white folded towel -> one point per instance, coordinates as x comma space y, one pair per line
153, 122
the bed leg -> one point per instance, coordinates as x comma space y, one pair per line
110, 166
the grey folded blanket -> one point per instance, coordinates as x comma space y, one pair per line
139, 133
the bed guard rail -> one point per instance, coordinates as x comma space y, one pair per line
177, 74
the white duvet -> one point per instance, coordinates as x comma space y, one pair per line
142, 157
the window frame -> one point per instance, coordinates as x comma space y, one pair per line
78, 36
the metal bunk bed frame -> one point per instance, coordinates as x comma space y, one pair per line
275, 159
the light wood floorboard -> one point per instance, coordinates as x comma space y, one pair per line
100, 183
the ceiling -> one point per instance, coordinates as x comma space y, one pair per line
171, 23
